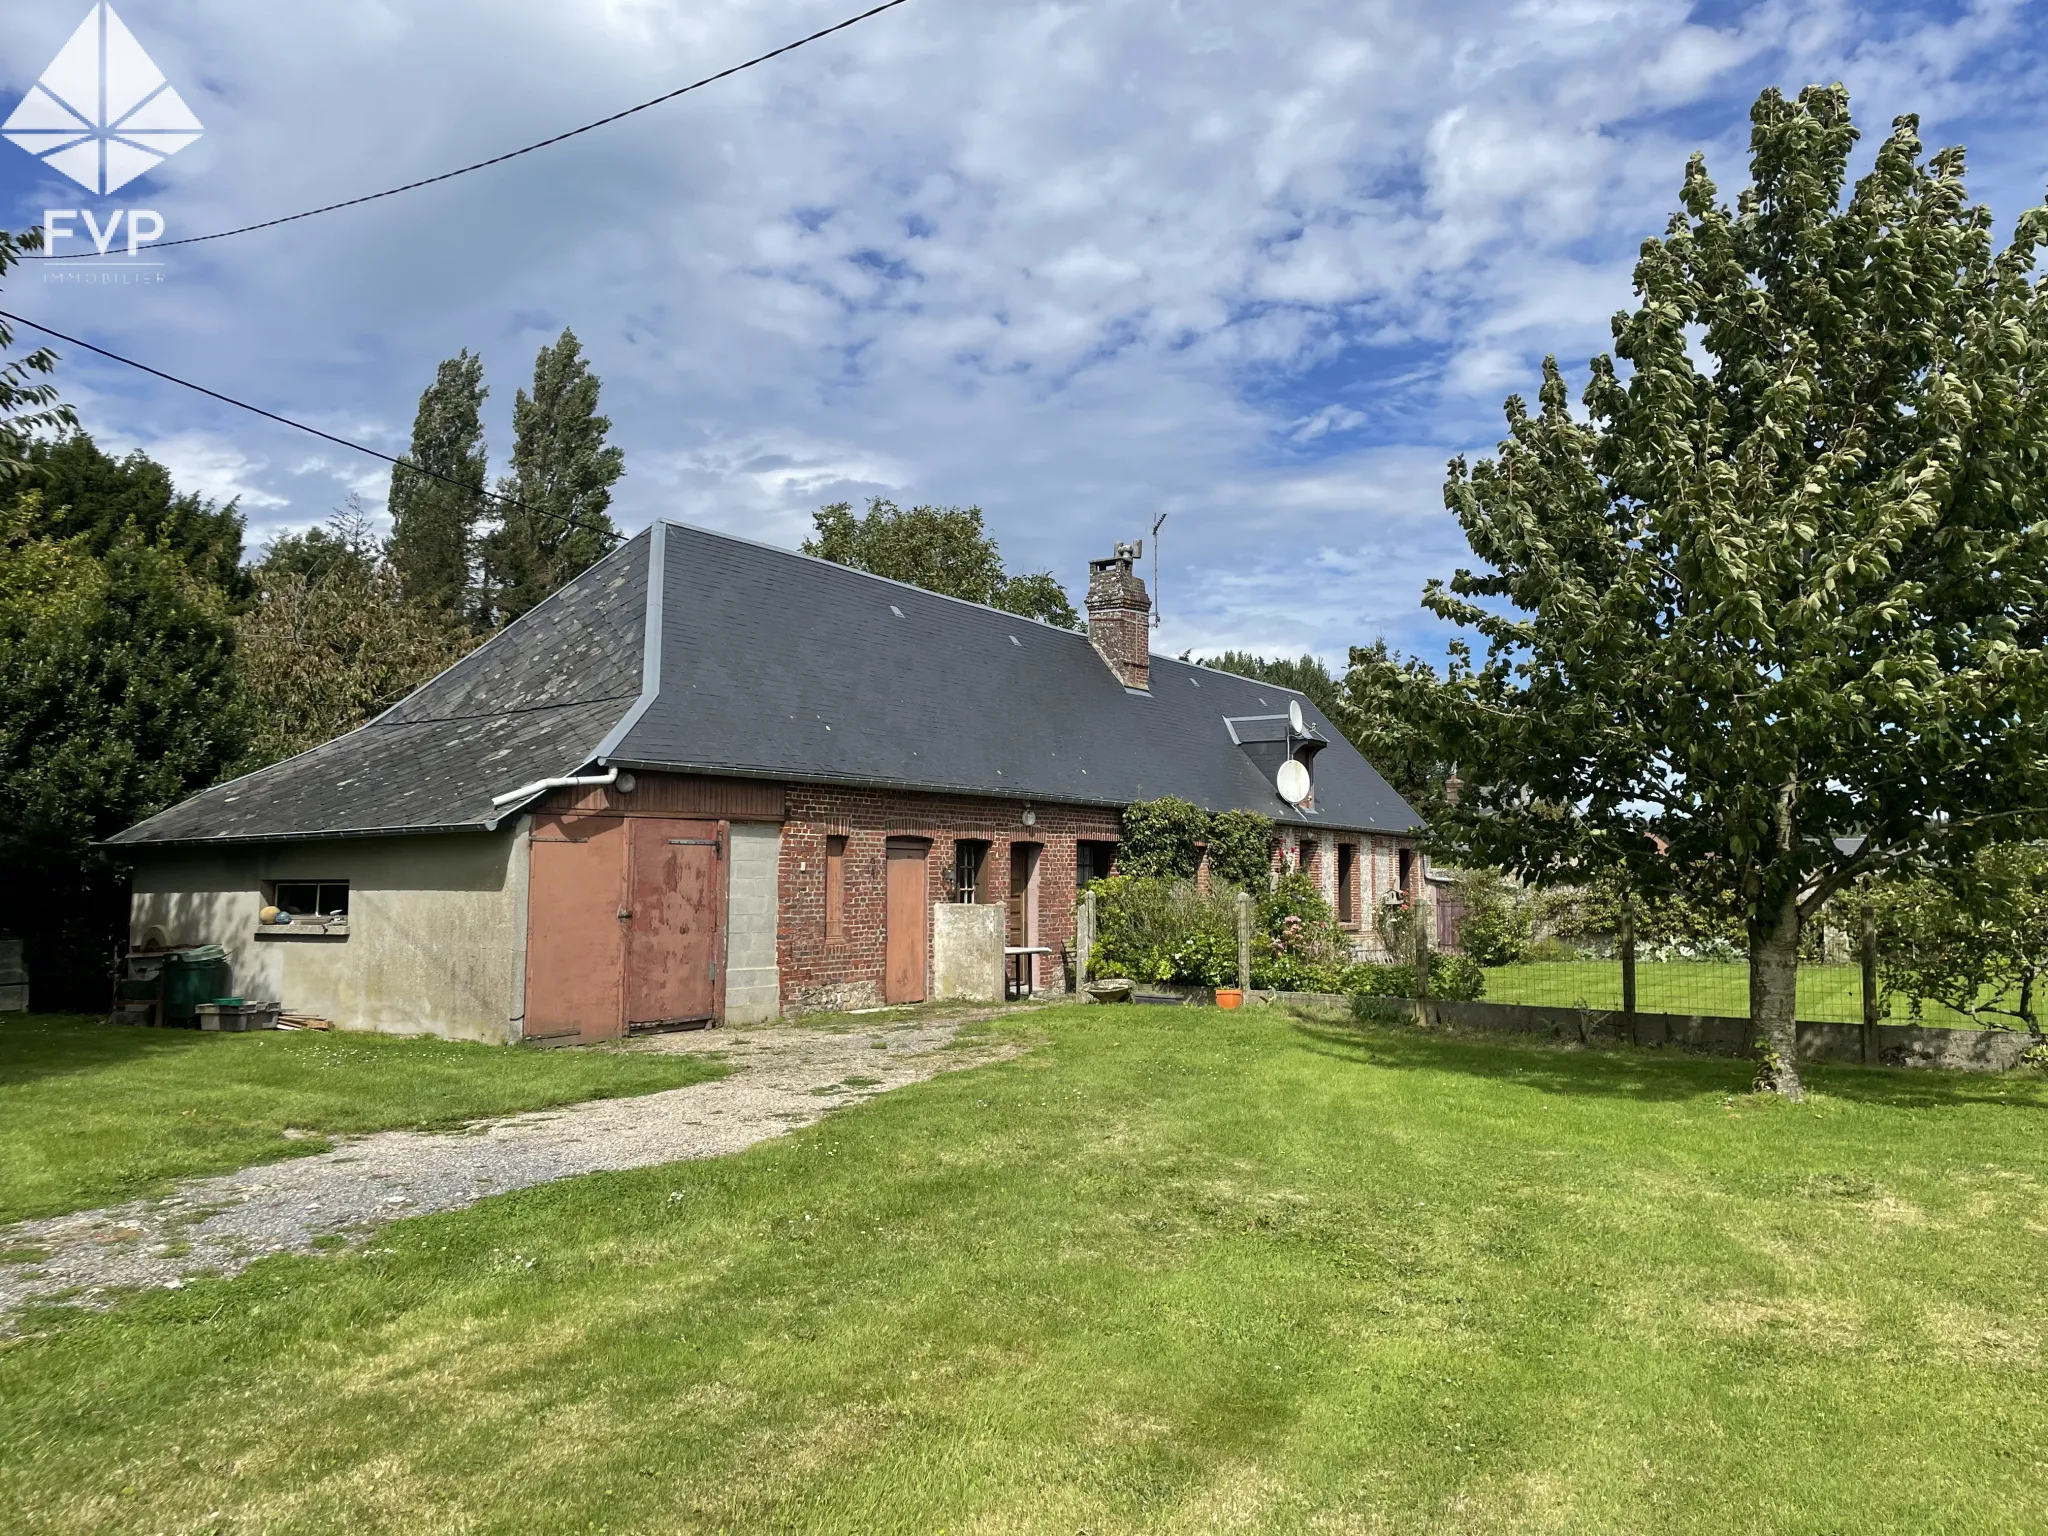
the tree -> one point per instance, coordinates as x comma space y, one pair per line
89, 494
437, 496
27, 408
1789, 578
1307, 676
348, 543
554, 519
332, 641
1393, 709
1037, 596
1976, 940
118, 697
1385, 705
942, 549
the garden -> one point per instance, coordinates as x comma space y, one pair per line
1157, 923
1279, 1273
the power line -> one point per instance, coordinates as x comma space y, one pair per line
242, 405
413, 186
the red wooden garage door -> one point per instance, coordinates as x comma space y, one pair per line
675, 933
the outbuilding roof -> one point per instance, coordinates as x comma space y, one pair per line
745, 659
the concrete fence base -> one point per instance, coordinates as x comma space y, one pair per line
1885, 1045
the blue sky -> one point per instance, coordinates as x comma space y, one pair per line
1263, 268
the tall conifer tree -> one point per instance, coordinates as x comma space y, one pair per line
556, 522
434, 523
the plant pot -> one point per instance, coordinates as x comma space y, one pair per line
1229, 997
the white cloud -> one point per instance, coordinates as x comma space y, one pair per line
1265, 268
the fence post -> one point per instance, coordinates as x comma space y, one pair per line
1421, 910
1868, 946
1628, 967
1084, 939
1245, 904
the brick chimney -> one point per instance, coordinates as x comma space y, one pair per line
1120, 617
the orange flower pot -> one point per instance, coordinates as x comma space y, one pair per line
1229, 997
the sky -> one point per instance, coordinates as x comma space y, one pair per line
1263, 268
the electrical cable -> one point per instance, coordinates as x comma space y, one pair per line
242, 405
514, 154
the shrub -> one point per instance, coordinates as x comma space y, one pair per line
1162, 839
1497, 923
1241, 848
1368, 1008
1452, 978
1152, 929
1395, 924
1299, 947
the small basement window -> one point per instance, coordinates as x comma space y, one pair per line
311, 900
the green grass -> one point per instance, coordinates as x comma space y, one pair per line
1174, 1271
1826, 992
92, 1112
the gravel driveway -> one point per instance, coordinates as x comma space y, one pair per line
782, 1077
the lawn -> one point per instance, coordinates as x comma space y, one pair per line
92, 1112
1827, 993
1173, 1271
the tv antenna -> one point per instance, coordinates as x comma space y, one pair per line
1158, 615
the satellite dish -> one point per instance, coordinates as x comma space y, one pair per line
1294, 721
1293, 782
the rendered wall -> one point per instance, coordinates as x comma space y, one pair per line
967, 952
753, 979
437, 925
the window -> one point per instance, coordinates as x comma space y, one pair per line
1347, 876
1305, 858
835, 890
970, 859
312, 898
1407, 870
1093, 862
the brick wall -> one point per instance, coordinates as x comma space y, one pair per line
848, 974
1375, 875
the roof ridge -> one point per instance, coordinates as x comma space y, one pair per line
890, 581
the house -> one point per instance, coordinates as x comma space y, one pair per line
714, 780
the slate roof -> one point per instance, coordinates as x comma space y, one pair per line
775, 664
531, 703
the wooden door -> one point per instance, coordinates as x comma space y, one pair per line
675, 928
903, 976
1022, 926
575, 940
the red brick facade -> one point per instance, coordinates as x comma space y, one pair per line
818, 975
819, 971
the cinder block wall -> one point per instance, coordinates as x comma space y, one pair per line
753, 979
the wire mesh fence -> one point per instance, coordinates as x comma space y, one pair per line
1668, 981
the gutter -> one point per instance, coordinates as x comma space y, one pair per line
542, 786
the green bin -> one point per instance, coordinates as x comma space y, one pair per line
191, 977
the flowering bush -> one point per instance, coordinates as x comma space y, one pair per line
1159, 930
1299, 947
1162, 930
